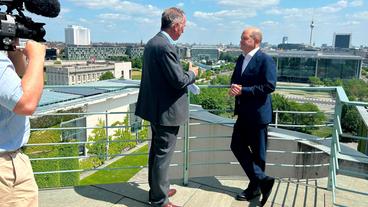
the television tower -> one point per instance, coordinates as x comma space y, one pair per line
311, 33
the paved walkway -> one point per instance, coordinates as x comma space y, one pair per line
205, 192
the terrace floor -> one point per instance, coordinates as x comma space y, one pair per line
216, 191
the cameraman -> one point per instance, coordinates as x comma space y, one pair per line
18, 99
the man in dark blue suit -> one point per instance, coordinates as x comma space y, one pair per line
253, 81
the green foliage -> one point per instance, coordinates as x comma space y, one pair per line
116, 176
315, 81
49, 121
207, 74
143, 133
98, 136
214, 99
333, 82
280, 103
322, 132
356, 90
137, 62
123, 58
70, 178
221, 80
52, 179
185, 65
122, 138
350, 121
228, 57
227, 67
106, 76
90, 163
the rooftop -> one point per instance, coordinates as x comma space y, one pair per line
217, 191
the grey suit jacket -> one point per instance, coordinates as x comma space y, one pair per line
163, 91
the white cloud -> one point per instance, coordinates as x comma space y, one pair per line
356, 3
360, 15
121, 6
325, 13
349, 23
146, 20
249, 3
269, 23
114, 16
332, 8
181, 5
83, 20
191, 24
220, 15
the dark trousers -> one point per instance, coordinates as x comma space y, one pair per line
249, 145
161, 151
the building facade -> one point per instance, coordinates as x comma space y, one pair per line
93, 53
342, 40
205, 52
298, 66
77, 35
134, 51
73, 74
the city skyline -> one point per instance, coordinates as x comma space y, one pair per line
214, 21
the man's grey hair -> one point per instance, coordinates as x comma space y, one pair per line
171, 16
256, 34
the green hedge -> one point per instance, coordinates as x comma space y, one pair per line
52, 179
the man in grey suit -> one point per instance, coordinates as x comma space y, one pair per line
163, 101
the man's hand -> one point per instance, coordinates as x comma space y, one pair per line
194, 69
18, 59
235, 90
34, 51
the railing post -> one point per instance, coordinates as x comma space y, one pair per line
186, 147
276, 118
335, 148
107, 134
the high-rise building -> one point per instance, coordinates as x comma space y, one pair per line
342, 40
77, 35
285, 40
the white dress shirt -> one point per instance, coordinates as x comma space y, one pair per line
248, 57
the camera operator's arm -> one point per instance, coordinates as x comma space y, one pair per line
32, 81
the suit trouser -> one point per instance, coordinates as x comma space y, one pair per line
18, 187
249, 145
161, 151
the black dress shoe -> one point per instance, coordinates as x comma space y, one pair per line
248, 195
266, 188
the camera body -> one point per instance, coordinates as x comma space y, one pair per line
17, 26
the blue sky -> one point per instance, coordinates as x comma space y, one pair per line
214, 21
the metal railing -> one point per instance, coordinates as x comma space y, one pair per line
335, 151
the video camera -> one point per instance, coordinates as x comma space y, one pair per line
20, 26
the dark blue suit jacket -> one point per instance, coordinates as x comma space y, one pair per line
258, 82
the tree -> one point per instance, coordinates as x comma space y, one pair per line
280, 103
98, 136
350, 120
228, 57
106, 76
315, 81
137, 62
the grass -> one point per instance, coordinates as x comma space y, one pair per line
116, 176
322, 132
136, 74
